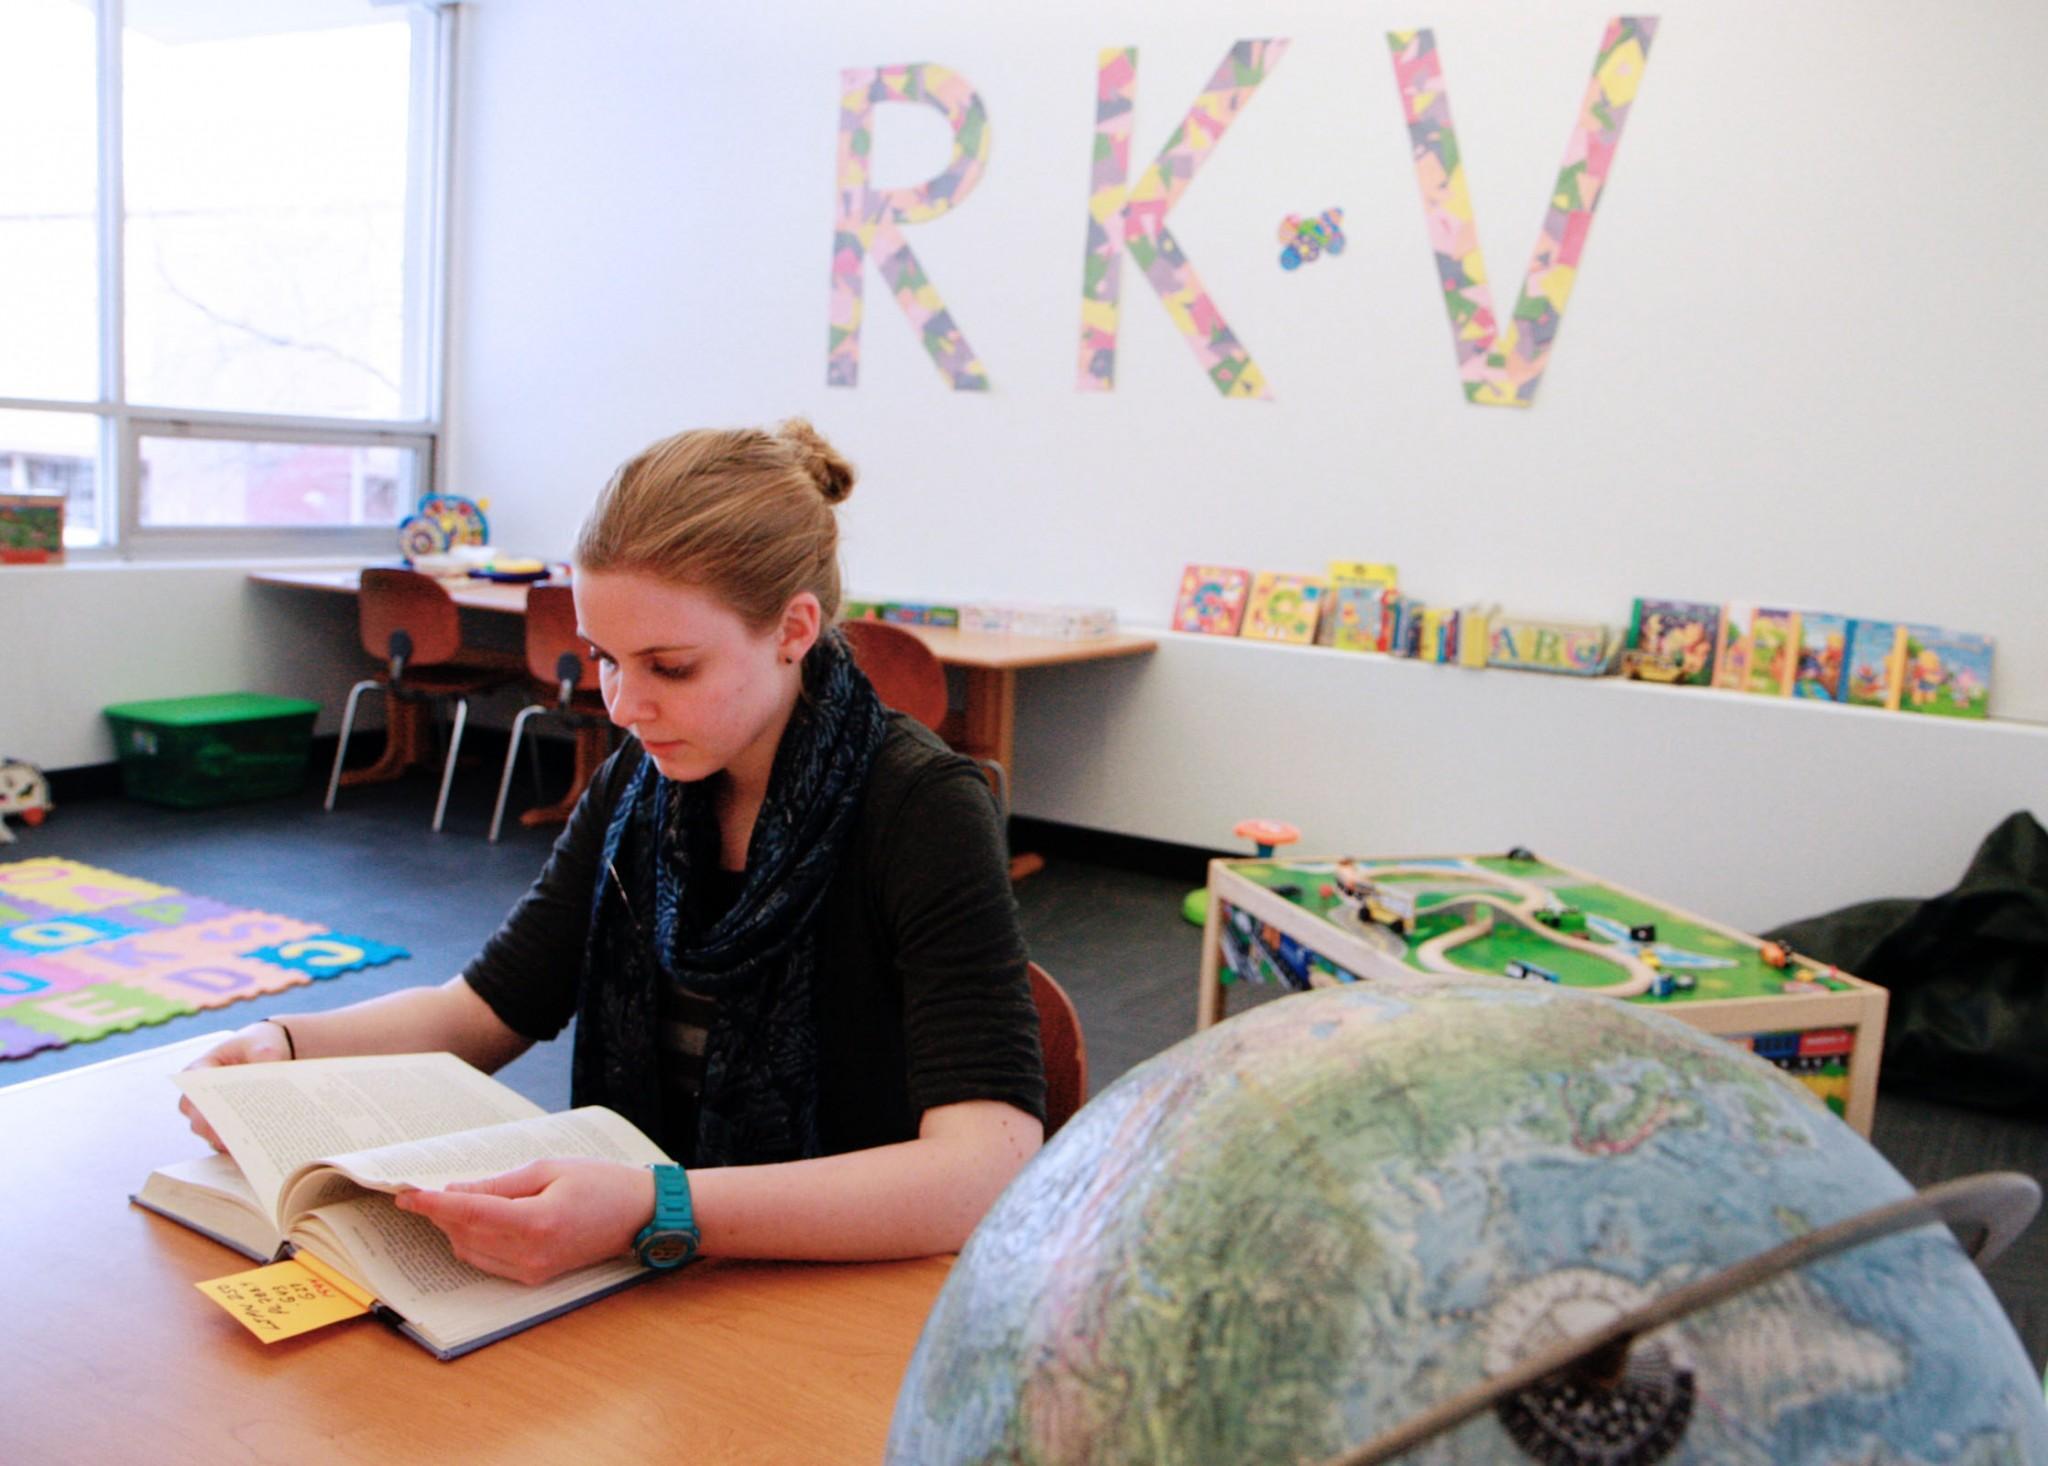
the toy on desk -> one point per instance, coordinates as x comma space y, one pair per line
23, 791
462, 518
440, 523
420, 539
512, 571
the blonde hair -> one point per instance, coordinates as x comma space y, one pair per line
745, 514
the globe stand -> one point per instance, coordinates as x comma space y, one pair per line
1988, 1210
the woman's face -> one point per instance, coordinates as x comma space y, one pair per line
682, 672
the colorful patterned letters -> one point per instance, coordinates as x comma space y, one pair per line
1137, 219
1502, 367
867, 219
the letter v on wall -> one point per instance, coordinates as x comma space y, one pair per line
1136, 219
1501, 367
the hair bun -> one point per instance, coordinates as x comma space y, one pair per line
831, 473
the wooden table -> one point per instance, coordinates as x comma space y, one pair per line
985, 724
112, 1355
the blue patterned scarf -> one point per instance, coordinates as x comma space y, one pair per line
758, 960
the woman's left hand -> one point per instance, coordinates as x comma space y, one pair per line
543, 1219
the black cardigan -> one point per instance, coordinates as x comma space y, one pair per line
923, 999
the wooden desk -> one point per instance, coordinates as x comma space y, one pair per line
984, 726
110, 1354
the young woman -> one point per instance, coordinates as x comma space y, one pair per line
781, 915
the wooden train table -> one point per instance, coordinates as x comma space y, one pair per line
1314, 923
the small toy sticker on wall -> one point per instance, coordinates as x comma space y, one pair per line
1135, 219
1306, 239
867, 219
1500, 366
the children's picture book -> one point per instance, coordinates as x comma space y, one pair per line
919, 613
1877, 656
1945, 673
1284, 607
1672, 641
1823, 653
1360, 616
1469, 635
1731, 650
317, 1149
1532, 644
1773, 652
1212, 600
1367, 575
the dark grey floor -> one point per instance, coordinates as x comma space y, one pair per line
1112, 935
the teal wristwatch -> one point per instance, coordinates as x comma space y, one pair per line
671, 1238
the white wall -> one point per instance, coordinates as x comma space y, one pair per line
1800, 366
1751, 810
82, 636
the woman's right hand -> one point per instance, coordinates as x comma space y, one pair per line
259, 1043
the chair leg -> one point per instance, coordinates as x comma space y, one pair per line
511, 762
448, 772
348, 718
533, 762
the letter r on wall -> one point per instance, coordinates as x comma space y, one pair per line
866, 219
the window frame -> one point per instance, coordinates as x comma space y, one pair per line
123, 424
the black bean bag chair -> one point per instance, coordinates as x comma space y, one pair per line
1967, 971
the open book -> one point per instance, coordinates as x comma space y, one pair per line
317, 1149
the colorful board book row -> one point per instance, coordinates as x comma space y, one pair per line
1065, 623
1358, 606
1780, 652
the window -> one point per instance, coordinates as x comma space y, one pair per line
220, 268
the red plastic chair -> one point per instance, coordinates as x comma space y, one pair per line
558, 661
1066, 1051
909, 677
907, 674
409, 624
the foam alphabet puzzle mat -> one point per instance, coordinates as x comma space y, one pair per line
86, 952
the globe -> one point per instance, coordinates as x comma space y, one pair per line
1301, 1228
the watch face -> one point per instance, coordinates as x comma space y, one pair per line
668, 1249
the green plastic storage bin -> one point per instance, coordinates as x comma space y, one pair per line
195, 752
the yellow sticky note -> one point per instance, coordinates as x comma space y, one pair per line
283, 1299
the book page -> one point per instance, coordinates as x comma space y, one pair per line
210, 1195
274, 1118
469, 1155
406, 1261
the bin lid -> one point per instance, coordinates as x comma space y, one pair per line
219, 707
